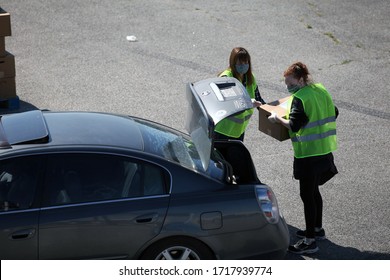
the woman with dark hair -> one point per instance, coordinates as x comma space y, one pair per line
312, 127
240, 68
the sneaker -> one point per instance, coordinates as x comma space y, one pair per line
303, 247
320, 235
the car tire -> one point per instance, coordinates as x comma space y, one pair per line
179, 248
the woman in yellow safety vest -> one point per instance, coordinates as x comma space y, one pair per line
233, 127
312, 126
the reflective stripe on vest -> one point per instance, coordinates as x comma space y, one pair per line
312, 137
239, 120
320, 122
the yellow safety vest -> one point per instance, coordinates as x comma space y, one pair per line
318, 136
235, 125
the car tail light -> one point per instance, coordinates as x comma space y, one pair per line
268, 203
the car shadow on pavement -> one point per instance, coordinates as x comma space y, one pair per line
332, 251
23, 107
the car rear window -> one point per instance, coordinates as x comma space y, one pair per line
23, 128
177, 147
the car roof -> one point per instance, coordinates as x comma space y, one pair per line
69, 128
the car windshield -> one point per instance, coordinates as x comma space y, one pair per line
175, 146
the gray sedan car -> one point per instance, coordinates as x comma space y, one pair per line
84, 185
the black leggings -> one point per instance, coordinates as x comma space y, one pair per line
312, 204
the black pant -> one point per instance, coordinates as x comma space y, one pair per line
219, 136
312, 203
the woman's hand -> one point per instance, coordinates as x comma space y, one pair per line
273, 118
256, 103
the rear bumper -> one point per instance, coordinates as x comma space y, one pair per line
269, 242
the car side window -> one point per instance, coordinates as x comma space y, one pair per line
79, 178
18, 182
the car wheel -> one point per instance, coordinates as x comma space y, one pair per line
178, 249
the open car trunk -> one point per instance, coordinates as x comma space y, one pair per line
211, 101
242, 170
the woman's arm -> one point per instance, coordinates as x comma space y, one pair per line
297, 118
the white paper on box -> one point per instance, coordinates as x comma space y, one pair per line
284, 104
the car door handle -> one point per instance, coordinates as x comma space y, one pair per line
23, 234
147, 218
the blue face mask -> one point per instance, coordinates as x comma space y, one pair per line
293, 88
242, 68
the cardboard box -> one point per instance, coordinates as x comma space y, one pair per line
7, 88
2, 47
275, 130
5, 23
7, 66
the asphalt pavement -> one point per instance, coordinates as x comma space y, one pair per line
75, 55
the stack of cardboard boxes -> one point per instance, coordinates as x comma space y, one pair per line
8, 97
